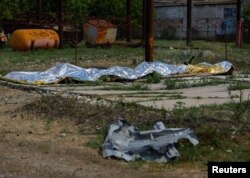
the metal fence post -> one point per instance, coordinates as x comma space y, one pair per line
149, 47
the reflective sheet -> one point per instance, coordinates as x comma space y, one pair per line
128, 142
65, 70
204, 67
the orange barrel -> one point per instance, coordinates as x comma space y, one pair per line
25, 39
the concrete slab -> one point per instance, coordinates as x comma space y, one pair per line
171, 104
188, 102
158, 97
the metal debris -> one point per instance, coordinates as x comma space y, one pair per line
128, 142
99, 32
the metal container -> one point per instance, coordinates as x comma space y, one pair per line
26, 39
99, 32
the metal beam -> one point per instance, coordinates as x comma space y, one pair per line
149, 46
189, 21
129, 32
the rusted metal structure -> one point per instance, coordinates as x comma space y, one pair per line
99, 32
149, 23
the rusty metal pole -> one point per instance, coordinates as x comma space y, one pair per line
149, 47
189, 22
238, 25
39, 11
129, 32
60, 22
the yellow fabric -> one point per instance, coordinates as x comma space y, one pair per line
200, 68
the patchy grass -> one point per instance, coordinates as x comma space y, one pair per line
221, 136
178, 83
41, 59
89, 117
195, 117
137, 86
136, 164
239, 85
239, 57
221, 129
95, 143
222, 132
153, 78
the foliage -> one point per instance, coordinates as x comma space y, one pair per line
104, 8
12, 9
246, 10
115, 8
76, 11
154, 78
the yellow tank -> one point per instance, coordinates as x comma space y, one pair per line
26, 39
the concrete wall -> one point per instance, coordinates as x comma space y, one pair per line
207, 20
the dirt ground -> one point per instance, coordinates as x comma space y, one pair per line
31, 147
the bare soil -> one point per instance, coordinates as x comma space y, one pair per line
32, 147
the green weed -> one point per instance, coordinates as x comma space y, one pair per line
95, 142
176, 83
48, 124
154, 78
239, 85
240, 108
136, 164
127, 87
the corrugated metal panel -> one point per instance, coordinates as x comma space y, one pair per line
195, 2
